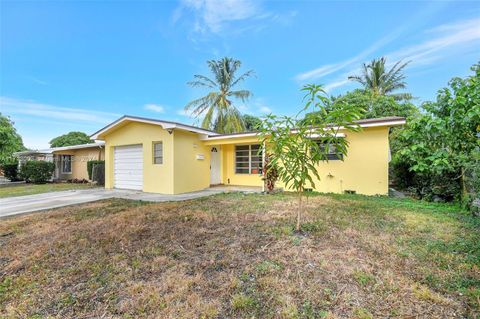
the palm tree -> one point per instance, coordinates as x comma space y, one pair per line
376, 78
217, 106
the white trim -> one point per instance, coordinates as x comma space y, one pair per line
75, 147
210, 138
365, 125
164, 125
323, 135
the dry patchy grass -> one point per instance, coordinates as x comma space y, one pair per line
31, 189
236, 256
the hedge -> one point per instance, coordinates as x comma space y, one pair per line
90, 167
37, 172
10, 171
98, 173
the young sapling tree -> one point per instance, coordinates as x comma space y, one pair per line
297, 145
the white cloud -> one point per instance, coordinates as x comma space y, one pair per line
211, 15
265, 109
40, 110
182, 112
38, 123
335, 67
36, 80
337, 83
450, 37
443, 41
154, 107
214, 16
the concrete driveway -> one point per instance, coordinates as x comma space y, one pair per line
11, 206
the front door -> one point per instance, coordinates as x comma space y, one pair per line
215, 165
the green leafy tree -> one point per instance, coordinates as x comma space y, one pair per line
10, 140
379, 80
376, 106
71, 138
252, 123
442, 141
217, 107
297, 145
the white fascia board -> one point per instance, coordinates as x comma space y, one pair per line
323, 135
164, 125
365, 125
221, 137
77, 147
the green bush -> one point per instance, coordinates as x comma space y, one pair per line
98, 174
90, 167
37, 172
10, 171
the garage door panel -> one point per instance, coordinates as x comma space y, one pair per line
128, 167
122, 167
126, 177
131, 155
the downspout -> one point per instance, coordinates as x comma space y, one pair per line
263, 165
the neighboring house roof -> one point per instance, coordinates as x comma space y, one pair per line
56, 149
80, 146
34, 152
376, 122
164, 124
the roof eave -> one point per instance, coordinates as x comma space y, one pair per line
164, 124
389, 123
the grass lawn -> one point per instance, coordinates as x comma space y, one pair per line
30, 189
237, 256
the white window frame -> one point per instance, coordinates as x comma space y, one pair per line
154, 155
63, 164
250, 155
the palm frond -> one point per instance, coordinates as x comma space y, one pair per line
243, 95
242, 77
202, 80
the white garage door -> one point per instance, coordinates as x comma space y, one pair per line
128, 167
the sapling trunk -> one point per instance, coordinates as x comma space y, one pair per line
300, 209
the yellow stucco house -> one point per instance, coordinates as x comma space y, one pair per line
171, 158
70, 161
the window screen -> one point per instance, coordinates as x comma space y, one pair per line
330, 151
66, 164
248, 159
158, 153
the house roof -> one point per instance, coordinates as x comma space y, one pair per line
376, 122
80, 146
162, 123
31, 152
56, 149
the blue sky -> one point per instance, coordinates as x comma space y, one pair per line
79, 65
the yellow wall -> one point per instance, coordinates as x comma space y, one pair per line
230, 177
80, 158
157, 178
364, 170
191, 174
227, 149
